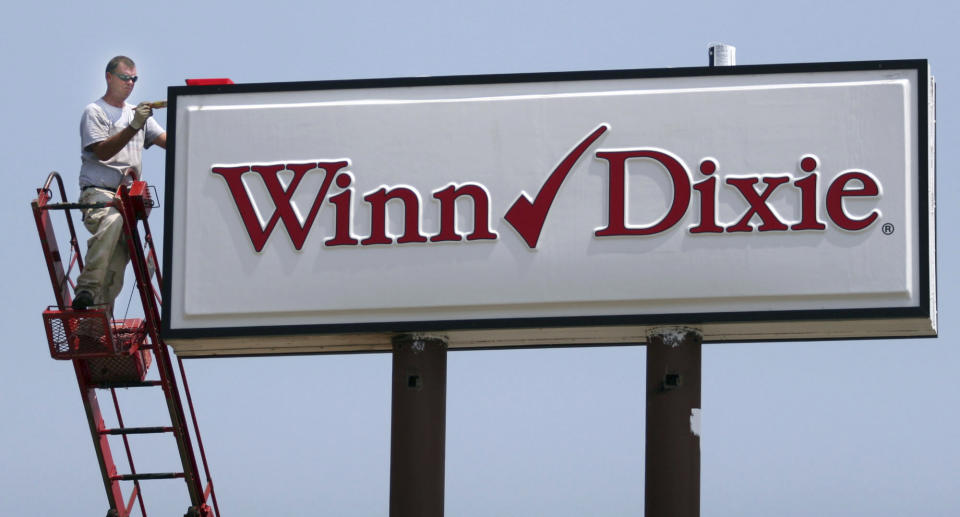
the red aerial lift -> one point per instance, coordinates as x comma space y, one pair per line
110, 354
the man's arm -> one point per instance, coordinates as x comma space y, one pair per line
106, 149
160, 140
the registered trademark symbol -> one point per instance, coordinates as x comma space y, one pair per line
887, 229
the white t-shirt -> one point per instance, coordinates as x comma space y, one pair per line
101, 121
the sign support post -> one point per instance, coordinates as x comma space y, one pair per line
418, 426
672, 485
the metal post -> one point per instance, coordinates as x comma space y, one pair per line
673, 423
722, 55
418, 426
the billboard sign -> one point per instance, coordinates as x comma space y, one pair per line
753, 202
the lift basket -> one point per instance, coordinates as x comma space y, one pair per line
84, 334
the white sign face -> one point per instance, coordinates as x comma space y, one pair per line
759, 202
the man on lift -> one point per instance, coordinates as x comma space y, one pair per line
113, 135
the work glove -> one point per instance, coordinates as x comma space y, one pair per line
140, 115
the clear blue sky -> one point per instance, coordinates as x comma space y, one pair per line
789, 429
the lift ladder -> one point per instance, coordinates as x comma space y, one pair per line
110, 354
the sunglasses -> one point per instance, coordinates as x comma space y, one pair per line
125, 77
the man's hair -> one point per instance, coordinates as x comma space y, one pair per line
115, 62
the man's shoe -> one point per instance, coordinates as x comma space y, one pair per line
83, 300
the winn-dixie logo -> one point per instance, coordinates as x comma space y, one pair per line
527, 215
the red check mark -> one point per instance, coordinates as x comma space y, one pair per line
527, 217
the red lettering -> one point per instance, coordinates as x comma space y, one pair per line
616, 218
758, 204
528, 216
708, 200
282, 198
378, 216
808, 204
343, 215
838, 190
448, 210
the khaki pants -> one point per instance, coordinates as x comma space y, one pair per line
107, 254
